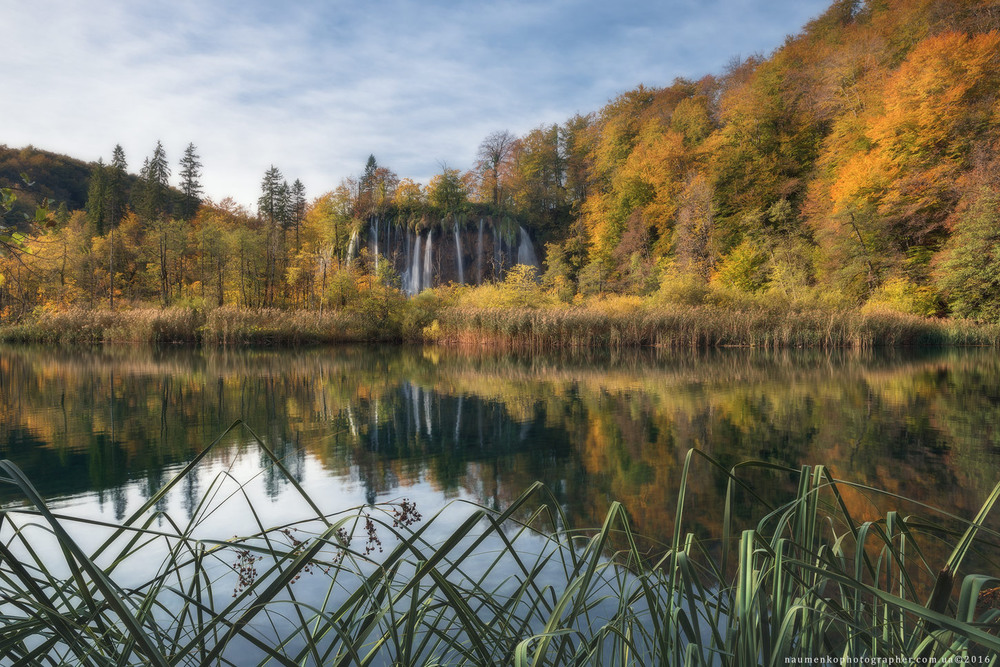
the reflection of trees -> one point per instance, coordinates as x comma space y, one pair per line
595, 428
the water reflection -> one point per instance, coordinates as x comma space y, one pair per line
93, 425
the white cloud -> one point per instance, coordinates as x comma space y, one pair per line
315, 88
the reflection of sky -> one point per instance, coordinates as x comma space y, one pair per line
233, 489
314, 87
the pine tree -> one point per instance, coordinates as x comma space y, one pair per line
190, 182
298, 209
155, 185
272, 210
116, 180
268, 202
117, 183
366, 189
97, 197
154, 208
283, 206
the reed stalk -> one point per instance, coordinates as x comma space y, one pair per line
371, 585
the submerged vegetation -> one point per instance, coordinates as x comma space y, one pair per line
478, 586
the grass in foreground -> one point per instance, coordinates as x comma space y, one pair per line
374, 586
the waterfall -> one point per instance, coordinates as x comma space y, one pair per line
352, 247
526, 251
406, 263
414, 286
458, 256
428, 273
376, 245
479, 253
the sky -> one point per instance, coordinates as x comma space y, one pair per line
313, 87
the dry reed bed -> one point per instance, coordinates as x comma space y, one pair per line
510, 328
702, 326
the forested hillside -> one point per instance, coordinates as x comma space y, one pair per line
51, 176
856, 166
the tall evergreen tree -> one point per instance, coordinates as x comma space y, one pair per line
155, 185
269, 201
272, 208
284, 206
97, 197
366, 189
154, 209
190, 182
298, 208
117, 185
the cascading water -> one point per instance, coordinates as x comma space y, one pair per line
479, 253
428, 269
497, 265
526, 250
415, 268
407, 261
352, 247
458, 256
412, 254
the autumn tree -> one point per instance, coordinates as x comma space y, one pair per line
447, 192
537, 180
410, 198
969, 270
576, 137
695, 226
492, 156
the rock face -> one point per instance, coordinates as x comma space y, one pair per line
463, 251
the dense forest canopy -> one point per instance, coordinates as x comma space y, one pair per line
857, 164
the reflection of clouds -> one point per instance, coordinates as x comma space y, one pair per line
316, 87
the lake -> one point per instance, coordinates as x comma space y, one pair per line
100, 430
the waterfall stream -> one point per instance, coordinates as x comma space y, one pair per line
428, 270
415, 268
479, 253
352, 247
458, 256
526, 250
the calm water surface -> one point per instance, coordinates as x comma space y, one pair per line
98, 431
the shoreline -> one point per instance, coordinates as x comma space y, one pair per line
589, 326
